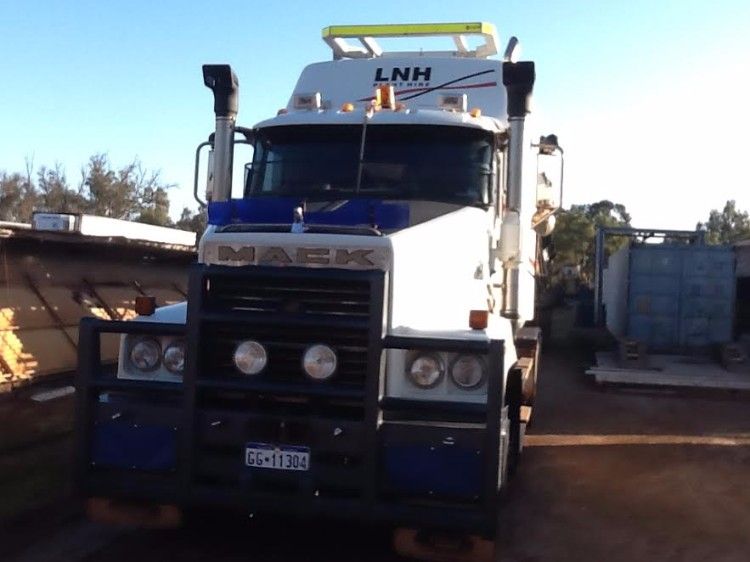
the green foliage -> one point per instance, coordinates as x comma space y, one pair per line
130, 192
727, 226
18, 197
574, 237
195, 222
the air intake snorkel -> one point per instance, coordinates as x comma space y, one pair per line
220, 79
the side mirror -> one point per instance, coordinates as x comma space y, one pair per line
549, 187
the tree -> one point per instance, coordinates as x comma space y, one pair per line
54, 195
194, 222
574, 237
130, 193
17, 197
727, 226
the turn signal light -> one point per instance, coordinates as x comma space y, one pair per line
478, 319
145, 305
347, 107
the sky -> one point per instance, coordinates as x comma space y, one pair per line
650, 99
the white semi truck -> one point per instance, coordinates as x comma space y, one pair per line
359, 338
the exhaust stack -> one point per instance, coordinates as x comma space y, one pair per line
518, 79
220, 79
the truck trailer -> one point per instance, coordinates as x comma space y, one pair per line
358, 339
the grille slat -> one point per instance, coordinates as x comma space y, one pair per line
266, 294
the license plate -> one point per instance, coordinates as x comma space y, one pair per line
277, 457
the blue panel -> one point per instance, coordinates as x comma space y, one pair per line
447, 471
145, 447
279, 210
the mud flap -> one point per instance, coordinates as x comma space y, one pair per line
442, 547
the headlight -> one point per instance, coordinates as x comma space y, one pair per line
467, 371
145, 354
319, 362
250, 357
426, 371
173, 358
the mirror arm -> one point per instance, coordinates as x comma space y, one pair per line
201, 146
249, 134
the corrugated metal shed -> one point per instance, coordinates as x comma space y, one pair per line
49, 280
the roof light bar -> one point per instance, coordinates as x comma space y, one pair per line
336, 36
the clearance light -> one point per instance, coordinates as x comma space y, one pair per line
478, 319
347, 107
476, 112
145, 305
308, 101
386, 97
453, 102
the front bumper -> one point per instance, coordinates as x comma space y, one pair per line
407, 463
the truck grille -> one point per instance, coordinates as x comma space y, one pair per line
287, 310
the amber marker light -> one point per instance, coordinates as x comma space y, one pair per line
478, 319
347, 107
386, 97
476, 112
145, 305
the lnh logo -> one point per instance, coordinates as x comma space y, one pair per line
404, 74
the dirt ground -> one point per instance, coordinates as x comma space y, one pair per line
607, 474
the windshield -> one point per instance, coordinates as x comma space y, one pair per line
433, 163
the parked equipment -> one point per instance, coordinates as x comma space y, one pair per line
358, 338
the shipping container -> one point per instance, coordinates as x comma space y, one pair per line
671, 296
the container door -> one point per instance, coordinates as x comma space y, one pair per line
707, 296
654, 295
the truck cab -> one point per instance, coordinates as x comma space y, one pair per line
358, 337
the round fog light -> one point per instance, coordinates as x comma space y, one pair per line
145, 354
250, 357
467, 371
426, 371
174, 357
319, 362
